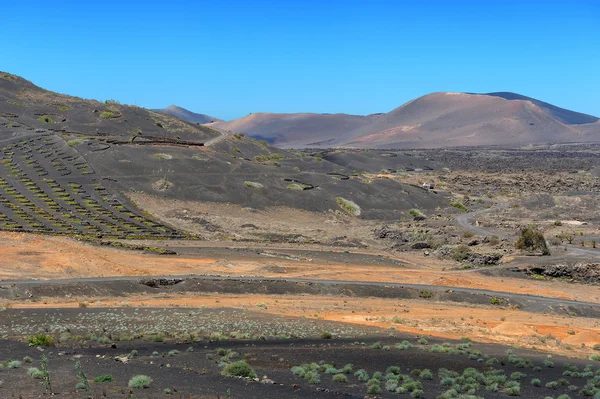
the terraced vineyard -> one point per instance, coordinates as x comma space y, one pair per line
47, 187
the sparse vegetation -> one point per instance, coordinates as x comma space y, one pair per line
417, 214
459, 205
252, 184
46, 119
349, 206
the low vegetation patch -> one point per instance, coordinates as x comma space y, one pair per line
239, 369
459, 205
40, 340
253, 184
107, 115
349, 206
417, 214
45, 119
140, 382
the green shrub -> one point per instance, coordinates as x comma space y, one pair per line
532, 240
239, 369
35, 373
536, 382
349, 206
340, 378
459, 205
253, 184
40, 340
74, 143
45, 119
461, 253
425, 294
496, 301
426, 375
107, 115
417, 214
373, 387
595, 358
326, 335
140, 382
103, 378
362, 375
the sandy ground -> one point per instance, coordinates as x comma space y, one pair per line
26, 256
557, 334
45, 257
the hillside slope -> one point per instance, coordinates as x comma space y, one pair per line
560, 114
296, 130
187, 115
23, 104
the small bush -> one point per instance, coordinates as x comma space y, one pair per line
326, 335
496, 301
461, 253
532, 240
239, 369
13, 364
35, 373
140, 382
595, 358
252, 184
340, 378
103, 378
74, 143
425, 294
459, 205
107, 115
417, 214
40, 340
45, 119
536, 382
349, 206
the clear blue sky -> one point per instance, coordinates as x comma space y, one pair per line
228, 58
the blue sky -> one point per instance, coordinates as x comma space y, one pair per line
228, 58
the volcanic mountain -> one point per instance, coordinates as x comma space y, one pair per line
434, 120
186, 115
296, 130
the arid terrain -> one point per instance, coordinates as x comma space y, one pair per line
135, 244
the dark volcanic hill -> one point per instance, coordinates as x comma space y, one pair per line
296, 130
70, 165
186, 115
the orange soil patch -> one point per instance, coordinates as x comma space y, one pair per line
28, 256
452, 321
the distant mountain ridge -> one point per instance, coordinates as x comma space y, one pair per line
434, 120
187, 115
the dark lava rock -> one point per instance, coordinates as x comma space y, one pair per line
484, 259
472, 243
386, 233
588, 272
420, 245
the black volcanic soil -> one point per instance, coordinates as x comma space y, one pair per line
190, 368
